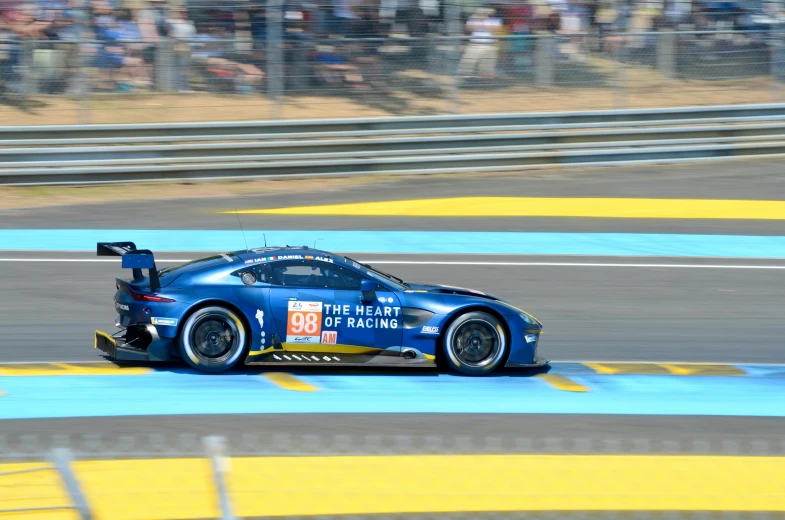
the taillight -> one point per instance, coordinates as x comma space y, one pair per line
144, 297
149, 298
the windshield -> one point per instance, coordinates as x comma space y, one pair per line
379, 274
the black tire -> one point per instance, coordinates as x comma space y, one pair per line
475, 344
213, 339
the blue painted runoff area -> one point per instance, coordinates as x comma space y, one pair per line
444, 242
179, 392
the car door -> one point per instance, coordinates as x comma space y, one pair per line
319, 309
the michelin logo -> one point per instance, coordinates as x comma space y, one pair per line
169, 322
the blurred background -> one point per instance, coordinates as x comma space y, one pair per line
124, 61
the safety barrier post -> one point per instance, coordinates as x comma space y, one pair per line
215, 448
81, 81
544, 60
454, 31
666, 53
776, 55
620, 81
274, 75
61, 458
164, 74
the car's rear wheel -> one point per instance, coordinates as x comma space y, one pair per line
475, 344
212, 339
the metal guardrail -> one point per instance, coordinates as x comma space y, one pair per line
392, 146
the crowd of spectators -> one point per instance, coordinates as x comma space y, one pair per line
144, 44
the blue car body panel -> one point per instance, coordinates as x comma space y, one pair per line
292, 319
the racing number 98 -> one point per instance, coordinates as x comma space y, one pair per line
304, 322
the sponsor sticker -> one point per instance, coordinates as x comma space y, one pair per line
304, 322
429, 329
260, 318
530, 338
121, 306
330, 337
169, 322
361, 316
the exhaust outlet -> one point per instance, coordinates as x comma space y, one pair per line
409, 354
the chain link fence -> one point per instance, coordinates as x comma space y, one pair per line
270, 61
390, 476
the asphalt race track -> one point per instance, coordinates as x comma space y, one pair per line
632, 290
611, 312
590, 313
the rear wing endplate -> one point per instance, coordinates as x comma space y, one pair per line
132, 258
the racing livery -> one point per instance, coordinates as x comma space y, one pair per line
302, 306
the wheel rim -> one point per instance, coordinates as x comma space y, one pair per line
214, 337
476, 343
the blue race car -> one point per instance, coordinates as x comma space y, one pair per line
301, 306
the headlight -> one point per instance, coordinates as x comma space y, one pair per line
530, 320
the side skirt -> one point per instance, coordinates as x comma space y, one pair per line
283, 357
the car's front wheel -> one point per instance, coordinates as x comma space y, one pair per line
212, 339
475, 344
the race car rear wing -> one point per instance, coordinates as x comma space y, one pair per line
132, 258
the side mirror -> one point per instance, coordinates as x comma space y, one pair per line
368, 288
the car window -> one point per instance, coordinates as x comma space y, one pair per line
301, 273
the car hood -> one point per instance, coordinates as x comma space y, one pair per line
448, 289
462, 291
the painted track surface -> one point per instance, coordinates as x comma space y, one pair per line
567, 388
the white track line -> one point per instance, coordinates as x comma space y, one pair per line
581, 264
456, 263
562, 361
91, 260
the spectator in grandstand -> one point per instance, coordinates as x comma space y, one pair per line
365, 54
181, 31
222, 69
24, 22
334, 69
521, 46
120, 58
482, 51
